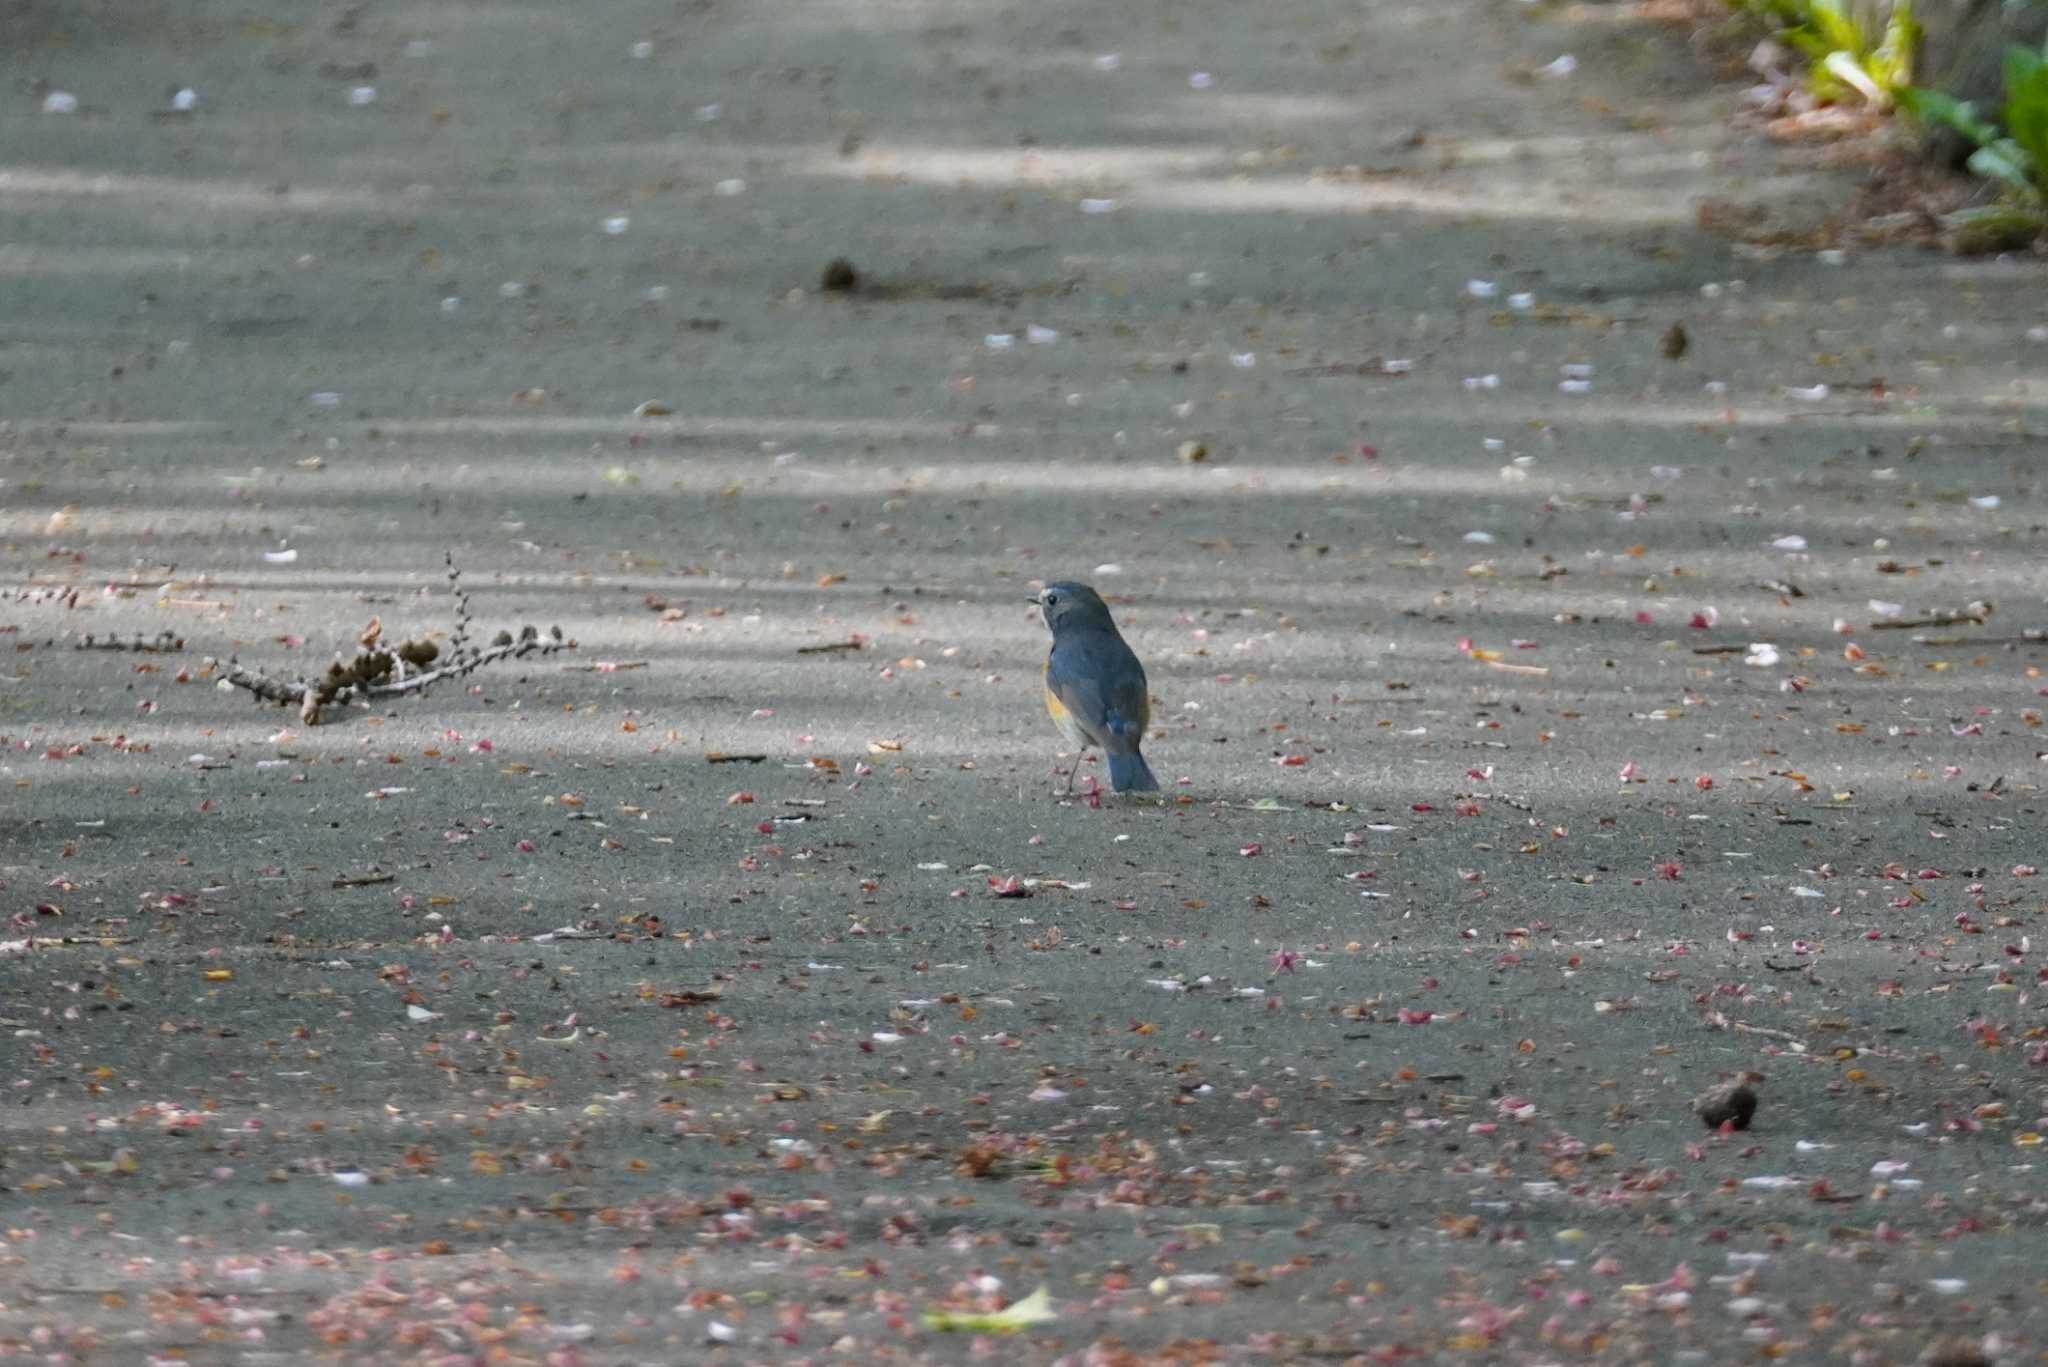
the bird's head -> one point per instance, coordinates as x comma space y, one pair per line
1066, 604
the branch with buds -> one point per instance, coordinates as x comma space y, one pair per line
163, 643
379, 671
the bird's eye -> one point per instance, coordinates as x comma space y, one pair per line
1052, 600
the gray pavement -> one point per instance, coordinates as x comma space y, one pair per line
1545, 733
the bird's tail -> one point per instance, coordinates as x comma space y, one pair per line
1129, 772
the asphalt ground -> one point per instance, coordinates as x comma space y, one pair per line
1553, 728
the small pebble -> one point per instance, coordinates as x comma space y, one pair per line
840, 277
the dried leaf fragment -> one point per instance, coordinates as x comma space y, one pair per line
692, 996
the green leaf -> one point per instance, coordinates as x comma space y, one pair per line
2021, 65
1835, 27
1844, 67
1938, 109
2026, 105
2004, 160
1810, 41
1035, 1308
1892, 63
1846, 49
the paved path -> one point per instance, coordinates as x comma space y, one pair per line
1545, 739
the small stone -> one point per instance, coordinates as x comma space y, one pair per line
1192, 453
1675, 342
840, 277
1732, 1103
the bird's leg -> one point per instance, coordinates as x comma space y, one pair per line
1075, 768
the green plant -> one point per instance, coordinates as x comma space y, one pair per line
1867, 46
2015, 153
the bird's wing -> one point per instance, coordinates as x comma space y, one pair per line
1101, 684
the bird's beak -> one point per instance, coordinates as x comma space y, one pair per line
1032, 599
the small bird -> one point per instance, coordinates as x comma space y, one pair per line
1094, 685
1732, 1104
